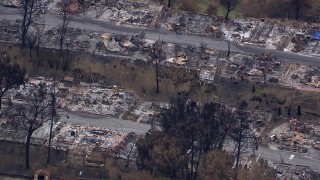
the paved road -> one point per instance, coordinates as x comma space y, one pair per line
167, 36
288, 157
104, 122
279, 156
140, 128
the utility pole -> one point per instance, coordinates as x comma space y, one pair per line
157, 74
53, 114
228, 54
156, 51
239, 142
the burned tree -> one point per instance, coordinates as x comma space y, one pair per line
229, 5
189, 130
229, 49
169, 3
31, 42
11, 76
299, 6
253, 89
157, 55
129, 147
299, 110
40, 32
29, 11
32, 113
64, 59
243, 136
65, 23
160, 153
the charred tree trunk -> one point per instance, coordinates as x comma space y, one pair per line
30, 49
228, 54
297, 10
38, 44
227, 15
23, 36
157, 78
64, 27
192, 157
28, 11
239, 143
27, 149
24, 24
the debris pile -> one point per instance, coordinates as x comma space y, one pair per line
288, 171
96, 100
10, 3
294, 37
10, 31
302, 77
256, 68
65, 136
143, 112
196, 24
93, 99
85, 138
12, 131
295, 136
139, 13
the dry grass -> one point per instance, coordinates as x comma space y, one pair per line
140, 78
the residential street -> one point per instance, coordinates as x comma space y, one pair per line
140, 128
167, 36
104, 122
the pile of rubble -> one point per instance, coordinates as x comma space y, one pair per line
258, 121
287, 171
128, 12
302, 77
83, 98
85, 138
12, 131
295, 37
139, 13
76, 39
66, 136
95, 100
10, 31
10, 3
295, 136
196, 24
257, 68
